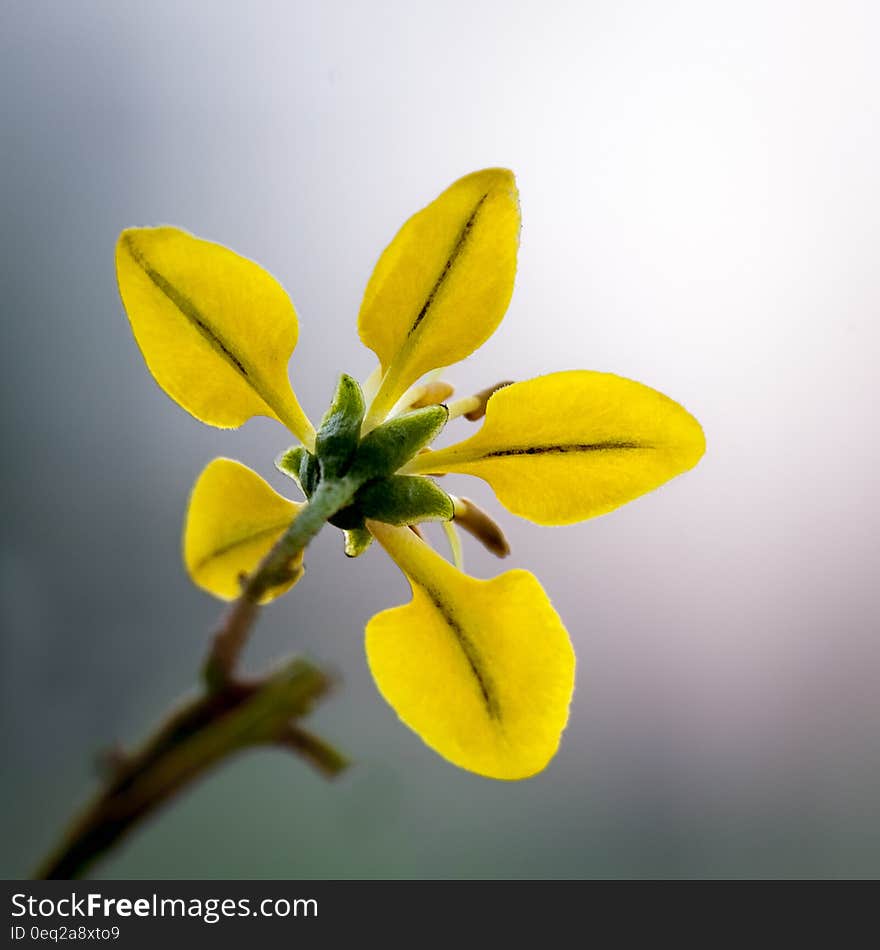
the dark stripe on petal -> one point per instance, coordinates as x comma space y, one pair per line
453, 256
232, 545
184, 305
565, 449
470, 651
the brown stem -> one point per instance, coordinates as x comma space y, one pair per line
315, 750
198, 736
229, 639
232, 715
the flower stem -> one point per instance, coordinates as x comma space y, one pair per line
231, 635
231, 715
202, 733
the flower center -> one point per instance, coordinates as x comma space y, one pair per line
368, 464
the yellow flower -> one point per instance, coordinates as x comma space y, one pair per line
483, 671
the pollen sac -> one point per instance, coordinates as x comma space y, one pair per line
390, 445
404, 500
300, 465
338, 435
482, 400
432, 394
471, 518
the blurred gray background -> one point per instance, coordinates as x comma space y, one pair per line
701, 212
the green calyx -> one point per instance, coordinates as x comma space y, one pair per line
357, 540
300, 465
404, 499
367, 466
340, 431
392, 444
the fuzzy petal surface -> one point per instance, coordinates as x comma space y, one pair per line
444, 283
215, 329
233, 520
573, 445
482, 671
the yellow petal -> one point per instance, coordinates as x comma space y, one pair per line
215, 329
234, 519
573, 445
442, 286
483, 671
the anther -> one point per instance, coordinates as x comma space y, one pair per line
473, 408
431, 394
475, 521
484, 396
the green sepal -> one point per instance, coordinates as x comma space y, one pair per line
357, 540
348, 518
392, 444
404, 499
300, 465
339, 432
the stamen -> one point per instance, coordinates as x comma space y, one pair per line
473, 408
411, 399
461, 407
477, 522
431, 394
454, 539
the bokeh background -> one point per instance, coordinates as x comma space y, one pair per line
701, 212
